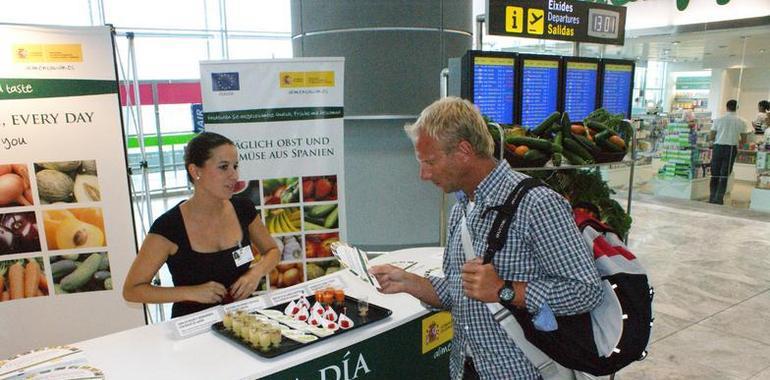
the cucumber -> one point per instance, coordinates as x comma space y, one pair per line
541, 128
315, 220
565, 123
573, 158
102, 275
588, 144
603, 135
108, 284
534, 155
595, 125
608, 146
82, 274
58, 290
556, 159
531, 142
313, 227
574, 147
105, 264
557, 148
62, 268
321, 210
332, 219
73, 257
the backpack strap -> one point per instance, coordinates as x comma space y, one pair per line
505, 213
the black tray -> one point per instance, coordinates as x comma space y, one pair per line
375, 314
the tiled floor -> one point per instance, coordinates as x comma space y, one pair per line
711, 274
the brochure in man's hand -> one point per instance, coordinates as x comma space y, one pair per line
356, 260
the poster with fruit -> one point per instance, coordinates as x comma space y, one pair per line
285, 117
66, 225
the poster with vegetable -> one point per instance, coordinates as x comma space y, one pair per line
285, 117
65, 209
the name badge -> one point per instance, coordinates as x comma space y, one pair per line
243, 255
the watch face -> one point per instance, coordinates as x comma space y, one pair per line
506, 294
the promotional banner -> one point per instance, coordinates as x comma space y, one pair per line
66, 229
286, 119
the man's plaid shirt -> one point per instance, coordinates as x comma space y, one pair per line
544, 249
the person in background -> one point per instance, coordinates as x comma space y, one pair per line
689, 117
544, 266
760, 122
208, 241
727, 134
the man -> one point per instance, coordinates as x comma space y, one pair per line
545, 260
727, 130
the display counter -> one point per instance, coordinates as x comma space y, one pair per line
412, 340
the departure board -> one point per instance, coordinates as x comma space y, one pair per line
616, 90
540, 90
493, 81
580, 89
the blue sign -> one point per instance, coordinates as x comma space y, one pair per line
540, 83
616, 90
580, 89
493, 82
197, 117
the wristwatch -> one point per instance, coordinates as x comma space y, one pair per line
506, 294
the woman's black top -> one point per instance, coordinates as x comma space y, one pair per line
189, 267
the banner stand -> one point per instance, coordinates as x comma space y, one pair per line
142, 203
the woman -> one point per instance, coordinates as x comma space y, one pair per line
206, 240
760, 122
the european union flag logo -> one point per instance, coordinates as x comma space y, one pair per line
225, 82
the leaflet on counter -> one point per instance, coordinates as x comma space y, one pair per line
24, 365
356, 260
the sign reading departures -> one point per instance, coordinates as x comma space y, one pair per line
557, 20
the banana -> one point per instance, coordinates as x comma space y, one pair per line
275, 226
283, 220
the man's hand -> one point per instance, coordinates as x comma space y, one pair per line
396, 280
480, 281
392, 279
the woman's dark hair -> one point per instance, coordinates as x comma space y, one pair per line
764, 105
198, 150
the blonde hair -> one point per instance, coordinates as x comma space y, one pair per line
451, 120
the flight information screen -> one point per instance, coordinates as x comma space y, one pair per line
580, 89
493, 81
616, 90
540, 90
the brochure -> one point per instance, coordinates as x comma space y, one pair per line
356, 260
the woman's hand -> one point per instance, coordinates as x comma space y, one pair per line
245, 285
208, 293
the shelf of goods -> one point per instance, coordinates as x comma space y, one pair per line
685, 170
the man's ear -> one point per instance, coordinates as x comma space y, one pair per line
466, 148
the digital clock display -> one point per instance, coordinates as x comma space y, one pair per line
603, 23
